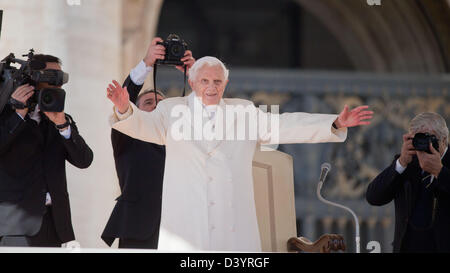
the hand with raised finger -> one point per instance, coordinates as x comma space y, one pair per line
356, 117
408, 150
155, 52
119, 96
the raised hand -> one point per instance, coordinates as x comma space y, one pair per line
355, 117
408, 150
188, 60
431, 163
22, 94
119, 96
154, 52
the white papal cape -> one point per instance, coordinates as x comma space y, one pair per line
208, 201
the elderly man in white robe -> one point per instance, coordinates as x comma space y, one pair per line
208, 201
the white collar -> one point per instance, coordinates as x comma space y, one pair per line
193, 98
444, 153
35, 114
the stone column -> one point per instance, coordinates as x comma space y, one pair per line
140, 22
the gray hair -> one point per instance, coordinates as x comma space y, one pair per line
145, 92
431, 121
210, 61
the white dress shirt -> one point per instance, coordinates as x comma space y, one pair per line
140, 73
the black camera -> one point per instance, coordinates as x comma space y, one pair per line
175, 49
31, 72
421, 142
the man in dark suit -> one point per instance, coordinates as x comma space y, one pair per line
419, 184
136, 216
34, 146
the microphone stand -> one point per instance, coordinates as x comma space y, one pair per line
357, 238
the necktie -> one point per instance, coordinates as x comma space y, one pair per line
426, 179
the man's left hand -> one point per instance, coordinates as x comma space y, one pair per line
57, 118
431, 163
355, 117
188, 61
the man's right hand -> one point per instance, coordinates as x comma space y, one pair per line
119, 96
407, 150
22, 94
155, 52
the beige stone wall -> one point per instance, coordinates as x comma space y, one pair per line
98, 40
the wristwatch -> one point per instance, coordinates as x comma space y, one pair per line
17, 104
66, 124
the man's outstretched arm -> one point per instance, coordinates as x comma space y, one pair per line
315, 128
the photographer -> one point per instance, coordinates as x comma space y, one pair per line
34, 145
418, 181
136, 216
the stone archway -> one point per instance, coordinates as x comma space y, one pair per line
398, 36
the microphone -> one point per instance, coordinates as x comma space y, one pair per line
326, 167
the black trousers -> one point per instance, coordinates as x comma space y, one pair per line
130, 243
46, 236
151, 243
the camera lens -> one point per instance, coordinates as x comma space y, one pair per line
47, 98
177, 50
52, 99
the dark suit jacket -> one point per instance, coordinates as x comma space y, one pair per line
32, 162
403, 189
140, 169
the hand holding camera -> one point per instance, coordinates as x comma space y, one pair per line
176, 54
430, 162
155, 52
408, 150
175, 50
426, 147
22, 94
188, 61
58, 118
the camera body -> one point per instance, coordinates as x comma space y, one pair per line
421, 142
48, 99
175, 49
31, 72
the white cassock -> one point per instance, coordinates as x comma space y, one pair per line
207, 200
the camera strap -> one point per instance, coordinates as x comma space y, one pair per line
154, 81
184, 87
